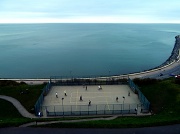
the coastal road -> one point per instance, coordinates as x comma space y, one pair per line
166, 71
171, 129
159, 73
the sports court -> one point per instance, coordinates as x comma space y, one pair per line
104, 99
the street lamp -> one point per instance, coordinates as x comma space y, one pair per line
123, 102
63, 107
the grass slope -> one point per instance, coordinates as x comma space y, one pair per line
26, 94
9, 116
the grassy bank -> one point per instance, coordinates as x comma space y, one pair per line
26, 94
164, 97
9, 116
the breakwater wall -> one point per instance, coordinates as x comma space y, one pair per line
174, 54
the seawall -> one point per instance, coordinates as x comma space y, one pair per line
175, 52
170, 66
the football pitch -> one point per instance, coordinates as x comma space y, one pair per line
91, 98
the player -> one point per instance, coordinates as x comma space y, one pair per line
86, 88
65, 93
56, 95
129, 93
136, 110
89, 103
81, 98
99, 87
39, 114
117, 99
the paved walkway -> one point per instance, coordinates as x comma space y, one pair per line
18, 106
66, 121
170, 129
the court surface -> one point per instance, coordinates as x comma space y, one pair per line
100, 97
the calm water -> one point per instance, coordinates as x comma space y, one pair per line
44, 50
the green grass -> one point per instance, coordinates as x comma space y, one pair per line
164, 96
27, 98
9, 116
121, 122
8, 110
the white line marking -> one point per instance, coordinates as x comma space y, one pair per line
76, 98
107, 103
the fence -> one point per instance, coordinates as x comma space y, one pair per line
99, 109
93, 109
38, 105
142, 98
59, 80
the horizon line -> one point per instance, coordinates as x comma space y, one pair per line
89, 22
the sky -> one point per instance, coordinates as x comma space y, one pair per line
89, 11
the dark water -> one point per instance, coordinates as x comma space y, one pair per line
44, 50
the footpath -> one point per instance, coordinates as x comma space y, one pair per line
18, 106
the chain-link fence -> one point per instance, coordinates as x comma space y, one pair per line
142, 98
38, 105
93, 109
96, 109
114, 80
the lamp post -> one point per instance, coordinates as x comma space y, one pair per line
63, 107
123, 102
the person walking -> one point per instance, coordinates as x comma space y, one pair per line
65, 93
81, 98
56, 95
117, 99
89, 103
129, 93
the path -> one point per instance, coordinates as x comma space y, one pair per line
170, 129
18, 106
67, 121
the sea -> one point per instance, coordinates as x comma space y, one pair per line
83, 49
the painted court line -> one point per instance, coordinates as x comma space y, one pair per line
94, 97
97, 102
107, 103
76, 99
